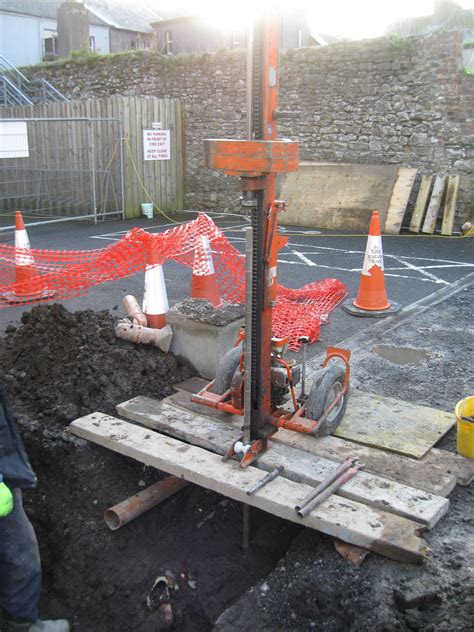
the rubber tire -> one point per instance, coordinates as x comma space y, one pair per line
319, 399
225, 370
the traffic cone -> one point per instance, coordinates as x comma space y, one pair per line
371, 298
25, 269
203, 283
155, 299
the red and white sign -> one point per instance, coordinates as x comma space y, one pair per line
156, 144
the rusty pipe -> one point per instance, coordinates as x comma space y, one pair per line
129, 509
132, 309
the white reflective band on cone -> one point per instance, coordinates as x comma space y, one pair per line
373, 254
206, 244
155, 300
22, 241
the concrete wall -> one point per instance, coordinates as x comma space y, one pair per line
381, 101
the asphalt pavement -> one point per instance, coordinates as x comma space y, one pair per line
415, 265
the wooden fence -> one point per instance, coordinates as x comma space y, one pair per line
108, 151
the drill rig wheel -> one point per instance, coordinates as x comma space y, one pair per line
225, 370
322, 394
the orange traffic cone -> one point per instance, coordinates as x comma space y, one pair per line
371, 298
203, 284
155, 300
28, 283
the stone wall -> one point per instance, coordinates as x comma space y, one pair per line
386, 100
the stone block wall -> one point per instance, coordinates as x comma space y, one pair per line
381, 101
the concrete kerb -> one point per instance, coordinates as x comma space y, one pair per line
201, 345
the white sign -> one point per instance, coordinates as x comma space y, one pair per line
156, 125
156, 144
13, 139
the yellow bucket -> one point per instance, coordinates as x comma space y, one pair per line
465, 429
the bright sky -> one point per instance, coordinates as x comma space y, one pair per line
354, 19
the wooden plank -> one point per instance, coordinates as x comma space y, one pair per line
452, 191
420, 204
428, 474
300, 466
399, 200
434, 205
389, 535
392, 424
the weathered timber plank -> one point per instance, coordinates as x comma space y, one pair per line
299, 466
452, 191
392, 424
420, 204
434, 205
427, 474
352, 522
399, 200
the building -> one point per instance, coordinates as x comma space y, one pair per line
447, 16
28, 28
194, 34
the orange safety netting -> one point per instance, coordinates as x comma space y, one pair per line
61, 274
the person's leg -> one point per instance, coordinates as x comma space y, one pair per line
20, 567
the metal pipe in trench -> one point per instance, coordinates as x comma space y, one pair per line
129, 509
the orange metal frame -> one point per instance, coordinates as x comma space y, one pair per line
256, 163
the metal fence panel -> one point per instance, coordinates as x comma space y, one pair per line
64, 173
86, 159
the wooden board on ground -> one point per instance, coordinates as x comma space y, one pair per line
437, 472
384, 533
391, 424
399, 200
420, 204
300, 466
452, 191
387, 423
434, 205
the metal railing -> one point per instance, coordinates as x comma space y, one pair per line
17, 89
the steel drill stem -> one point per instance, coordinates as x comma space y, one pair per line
324, 484
248, 334
324, 495
269, 477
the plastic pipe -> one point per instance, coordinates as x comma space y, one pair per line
145, 335
129, 509
132, 309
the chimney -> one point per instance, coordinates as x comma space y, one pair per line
73, 28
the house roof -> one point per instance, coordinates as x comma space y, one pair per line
130, 17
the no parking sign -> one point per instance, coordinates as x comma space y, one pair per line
156, 144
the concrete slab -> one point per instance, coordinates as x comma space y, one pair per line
337, 195
202, 344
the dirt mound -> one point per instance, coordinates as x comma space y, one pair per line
61, 365
57, 366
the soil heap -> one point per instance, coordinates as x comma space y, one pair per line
57, 366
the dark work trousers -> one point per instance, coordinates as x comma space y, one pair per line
20, 567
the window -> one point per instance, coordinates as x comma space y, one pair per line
50, 44
169, 43
92, 43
